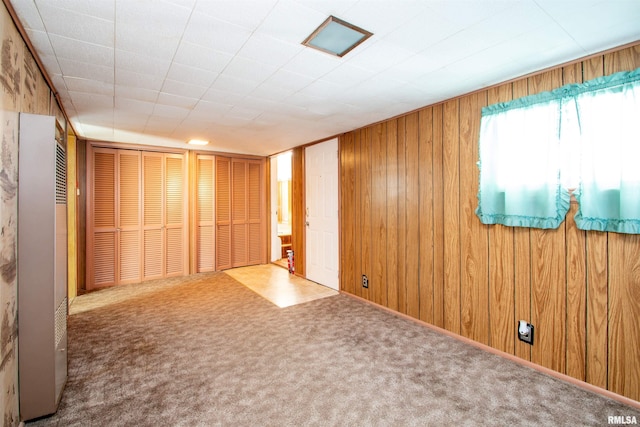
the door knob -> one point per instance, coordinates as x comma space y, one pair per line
307, 223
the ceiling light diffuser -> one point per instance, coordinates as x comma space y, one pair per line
336, 37
197, 142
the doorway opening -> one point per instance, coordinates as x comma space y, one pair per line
281, 208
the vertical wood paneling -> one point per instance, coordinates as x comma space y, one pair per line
392, 213
298, 209
412, 194
451, 180
438, 217
580, 289
548, 271
347, 213
402, 215
474, 293
624, 306
365, 207
576, 274
425, 150
359, 237
379, 245
624, 281
501, 266
597, 280
522, 258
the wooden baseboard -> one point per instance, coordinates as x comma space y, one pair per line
582, 384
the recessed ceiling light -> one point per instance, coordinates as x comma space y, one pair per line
197, 142
336, 37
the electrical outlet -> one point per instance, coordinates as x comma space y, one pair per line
525, 332
365, 281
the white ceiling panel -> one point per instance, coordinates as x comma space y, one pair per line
87, 28
234, 71
198, 56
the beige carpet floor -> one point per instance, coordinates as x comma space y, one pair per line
207, 351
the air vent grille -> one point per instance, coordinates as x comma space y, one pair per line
61, 176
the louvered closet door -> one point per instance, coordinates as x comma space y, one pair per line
205, 225
223, 213
174, 182
153, 215
256, 231
128, 215
102, 251
239, 226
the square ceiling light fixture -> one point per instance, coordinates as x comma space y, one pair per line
336, 37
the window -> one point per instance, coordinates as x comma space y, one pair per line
581, 137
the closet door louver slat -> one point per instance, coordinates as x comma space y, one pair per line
205, 224
129, 270
174, 207
223, 213
104, 219
153, 219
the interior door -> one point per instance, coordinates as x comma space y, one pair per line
321, 195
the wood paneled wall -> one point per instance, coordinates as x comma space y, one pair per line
298, 216
408, 196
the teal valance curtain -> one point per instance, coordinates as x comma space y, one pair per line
581, 136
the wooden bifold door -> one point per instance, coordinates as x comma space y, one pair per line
137, 216
231, 228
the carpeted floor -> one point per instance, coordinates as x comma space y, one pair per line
207, 351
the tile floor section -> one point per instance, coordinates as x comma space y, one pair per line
278, 286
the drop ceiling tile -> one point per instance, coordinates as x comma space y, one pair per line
76, 84
170, 112
247, 13
243, 113
81, 51
204, 109
233, 85
271, 92
347, 75
91, 101
160, 125
132, 39
191, 75
312, 63
268, 50
215, 34
136, 93
379, 56
137, 80
133, 106
290, 21
223, 97
384, 17
183, 89
51, 64
288, 80
248, 69
140, 63
72, 24
85, 70
198, 56
40, 41
423, 31
29, 15
104, 9
329, 7
178, 101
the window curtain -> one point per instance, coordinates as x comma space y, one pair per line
520, 181
580, 136
609, 118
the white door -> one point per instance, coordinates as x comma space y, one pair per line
321, 193
275, 240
